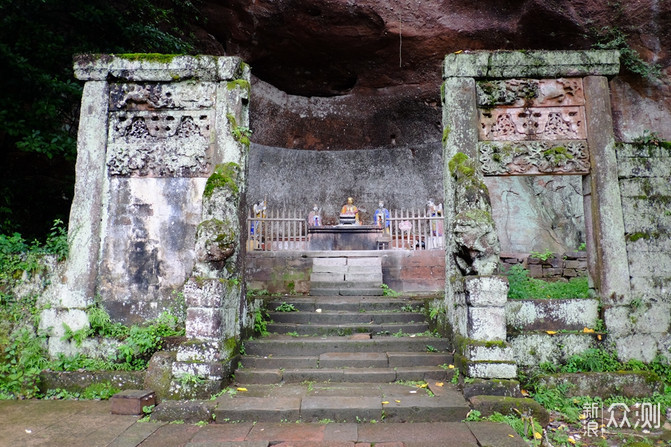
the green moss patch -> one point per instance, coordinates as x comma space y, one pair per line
224, 176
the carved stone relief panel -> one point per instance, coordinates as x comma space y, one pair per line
159, 144
181, 95
160, 129
533, 123
531, 93
534, 157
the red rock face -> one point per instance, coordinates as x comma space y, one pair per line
381, 60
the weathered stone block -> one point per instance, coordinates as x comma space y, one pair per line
491, 387
486, 369
132, 401
203, 322
188, 411
205, 292
165, 68
486, 291
641, 347
570, 314
487, 323
488, 405
633, 384
533, 64
210, 370
532, 349
199, 350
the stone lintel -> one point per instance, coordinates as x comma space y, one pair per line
532, 64
156, 67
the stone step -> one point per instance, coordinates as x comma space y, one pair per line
347, 329
347, 291
345, 303
307, 346
349, 360
340, 402
340, 317
343, 375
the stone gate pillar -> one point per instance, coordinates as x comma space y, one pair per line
153, 130
521, 113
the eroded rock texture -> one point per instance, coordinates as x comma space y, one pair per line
376, 64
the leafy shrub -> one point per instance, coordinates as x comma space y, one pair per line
524, 287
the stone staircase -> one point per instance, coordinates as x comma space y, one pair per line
344, 359
352, 276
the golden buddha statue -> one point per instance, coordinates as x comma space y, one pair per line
349, 210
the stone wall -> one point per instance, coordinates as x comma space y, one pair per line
561, 266
639, 325
407, 271
402, 177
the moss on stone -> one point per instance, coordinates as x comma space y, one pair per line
242, 83
558, 154
224, 176
446, 135
460, 164
148, 57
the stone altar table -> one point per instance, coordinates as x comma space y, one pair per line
344, 237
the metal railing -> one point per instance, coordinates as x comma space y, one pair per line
276, 230
416, 230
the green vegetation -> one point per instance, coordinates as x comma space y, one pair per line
616, 39
524, 287
39, 107
387, 291
23, 345
261, 322
286, 307
224, 176
543, 256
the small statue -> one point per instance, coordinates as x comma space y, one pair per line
433, 210
382, 217
348, 211
315, 218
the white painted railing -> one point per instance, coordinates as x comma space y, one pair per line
416, 230
276, 230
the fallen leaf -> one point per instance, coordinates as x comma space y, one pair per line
511, 436
424, 385
459, 51
385, 402
537, 435
571, 440
439, 384
599, 337
397, 401
588, 330
241, 389
551, 332
525, 393
450, 366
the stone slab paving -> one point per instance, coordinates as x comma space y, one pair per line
90, 423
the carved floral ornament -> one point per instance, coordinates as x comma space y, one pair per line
534, 157
534, 123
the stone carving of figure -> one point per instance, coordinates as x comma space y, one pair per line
349, 210
315, 218
382, 217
